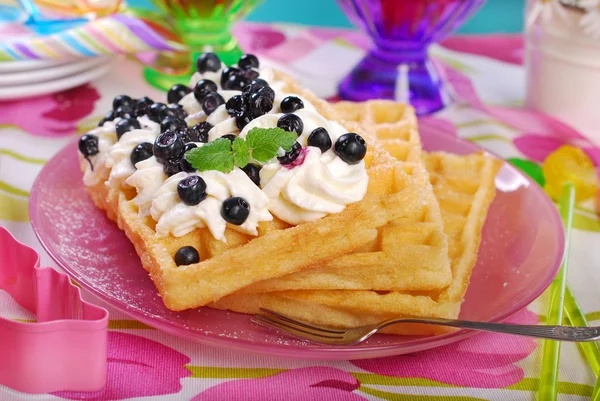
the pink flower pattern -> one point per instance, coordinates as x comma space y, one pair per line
314, 383
137, 367
486, 360
51, 115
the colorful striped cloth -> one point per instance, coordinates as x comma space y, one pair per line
117, 34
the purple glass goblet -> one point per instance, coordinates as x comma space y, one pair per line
398, 66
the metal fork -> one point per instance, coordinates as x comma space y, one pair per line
335, 336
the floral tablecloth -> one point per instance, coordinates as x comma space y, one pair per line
488, 84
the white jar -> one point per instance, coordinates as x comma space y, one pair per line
563, 71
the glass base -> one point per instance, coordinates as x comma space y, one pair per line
165, 78
412, 80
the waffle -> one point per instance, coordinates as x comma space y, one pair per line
408, 253
399, 194
464, 186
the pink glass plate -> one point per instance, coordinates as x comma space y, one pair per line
521, 250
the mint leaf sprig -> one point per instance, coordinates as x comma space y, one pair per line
261, 144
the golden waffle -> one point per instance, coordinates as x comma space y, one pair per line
458, 182
409, 253
397, 192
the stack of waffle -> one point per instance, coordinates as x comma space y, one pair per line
407, 249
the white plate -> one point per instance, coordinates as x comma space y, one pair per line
42, 88
49, 74
28, 65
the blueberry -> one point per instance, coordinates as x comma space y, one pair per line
170, 123
320, 138
175, 110
235, 105
231, 137
187, 255
122, 101
201, 131
192, 190
291, 123
172, 166
292, 155
185, 165
177, 92
208, 62
250, 74
140, 107
211, 102
203, 88
236, 82
227, 73
351, 148
108, 117
261, 102
255, 85
88, 145
248, 61
235, 210
168, 145
242, 119
186, 134
291, 103
126, 125
141, 152
155, 111
124, 112
253, 172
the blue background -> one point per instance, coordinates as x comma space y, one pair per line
494, 16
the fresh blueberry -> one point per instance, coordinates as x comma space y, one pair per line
291, 123
175, 110
126, 125
192, 190
320, 138
88, 145
253, 172
186, 134
201, 131
235, 210
172, 166
248, 61
231, 137
156, 111
235, 105
108, 117
185, 165
168, 145
141, 152
250, 74
122, 101
203, 88
255, 85
211, 102
351, 148
292, 155
208, 62
187, 255
141, 105
291, 103
261, 102
177, 92
227, 73
124, 112
242, 119
170, 123
236, 82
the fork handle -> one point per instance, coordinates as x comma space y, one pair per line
560, 333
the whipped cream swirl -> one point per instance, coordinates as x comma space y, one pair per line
147, 179
176, 218
107, 136
118, 158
